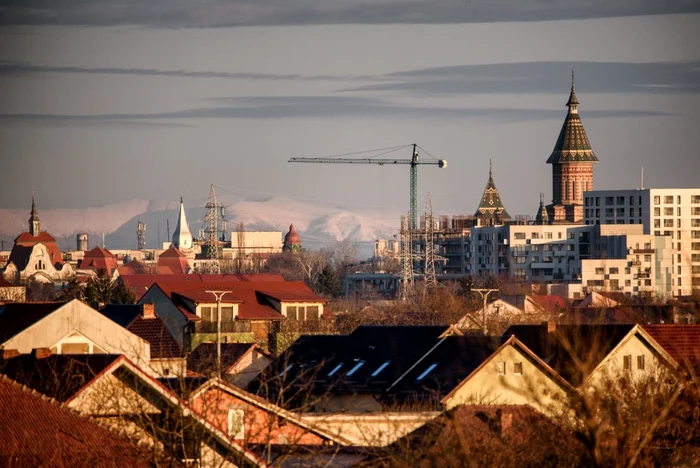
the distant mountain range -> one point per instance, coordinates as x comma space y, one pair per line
318, 224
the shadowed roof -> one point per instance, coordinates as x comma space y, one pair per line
203, 358
16, 317
682, 342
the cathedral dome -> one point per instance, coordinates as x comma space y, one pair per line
292, 237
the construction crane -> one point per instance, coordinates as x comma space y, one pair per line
414, 161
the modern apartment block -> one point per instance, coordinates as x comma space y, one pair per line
581, 258
672, 212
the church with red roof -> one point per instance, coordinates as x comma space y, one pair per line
35, 256
99, 259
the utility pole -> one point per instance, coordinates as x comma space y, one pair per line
215, 212
218, 295
485, 294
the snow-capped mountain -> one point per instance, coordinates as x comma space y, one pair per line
318, 224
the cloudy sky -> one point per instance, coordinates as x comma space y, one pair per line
106, 101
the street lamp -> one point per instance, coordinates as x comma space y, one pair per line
484, 294
218, 295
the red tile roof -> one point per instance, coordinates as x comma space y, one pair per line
4, 283
25, 242
290, 291
139, 283
550, 303
682, 342
35, 431
153, 330
99, 258
172, 252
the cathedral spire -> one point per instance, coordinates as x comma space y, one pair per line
34, 222
491, 210
542, 215
572, 103
182, 239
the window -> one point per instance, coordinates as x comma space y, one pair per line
668, 200
695, 199
678, 211
335, 369
355, 368
380, 368
312, 313
597, 201
640, 362
647, 258
547, 235
427, 371
668, 211
501, 368
631, 199
227, 314
292, 312
657, 200
657, 211
620, 200
668, 223
518, 368
207, 314
236, 426
286, 369
614, 271
40, 265
657, 223
519, 235
627, 362
609, 201
599, 271
631, 212
678, 199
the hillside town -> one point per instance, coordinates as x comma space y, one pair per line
568, 338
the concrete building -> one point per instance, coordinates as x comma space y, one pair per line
671, 212
584, 258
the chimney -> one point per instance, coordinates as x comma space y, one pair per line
551, 326
41, 353
9, 354
148, 310
506, 422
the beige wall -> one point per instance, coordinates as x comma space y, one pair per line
370, 430
612, 367
534, 387
98, 329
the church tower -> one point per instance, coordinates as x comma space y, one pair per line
182, 239
34, 222
491, 211
572, 167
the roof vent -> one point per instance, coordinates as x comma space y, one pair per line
41, 353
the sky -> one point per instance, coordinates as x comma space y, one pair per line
107, 101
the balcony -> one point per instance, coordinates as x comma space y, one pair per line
635, 263
237, 326
643, 251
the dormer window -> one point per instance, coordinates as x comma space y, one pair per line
40, 265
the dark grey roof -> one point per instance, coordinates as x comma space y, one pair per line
203, 358
123, 314
565, 345
16, 317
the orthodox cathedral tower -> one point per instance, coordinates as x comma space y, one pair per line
572, 167
491, 211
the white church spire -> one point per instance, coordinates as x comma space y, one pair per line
182, 239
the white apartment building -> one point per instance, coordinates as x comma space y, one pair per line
673, 213
585, 258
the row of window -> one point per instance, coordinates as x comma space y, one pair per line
627, 362
610, 201
517, 368
668, 199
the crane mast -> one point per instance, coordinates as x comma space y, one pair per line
414, 162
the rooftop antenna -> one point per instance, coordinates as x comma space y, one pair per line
642, 178
103, 240
167, 227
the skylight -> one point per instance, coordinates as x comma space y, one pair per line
380, 368
289, 367
427, 371
335, 369
357, 366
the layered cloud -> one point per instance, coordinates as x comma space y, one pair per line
220, 13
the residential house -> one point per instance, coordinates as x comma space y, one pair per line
120, 395
68, 328
37, 431
252, 421
240, 362
167, 357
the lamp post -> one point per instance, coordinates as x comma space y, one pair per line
218, 295
484, 294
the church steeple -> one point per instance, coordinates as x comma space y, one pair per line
491, 210
542, 215
182, 239
34, 221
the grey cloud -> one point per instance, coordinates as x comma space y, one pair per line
545, 77
217, 13
18, 68
323, 107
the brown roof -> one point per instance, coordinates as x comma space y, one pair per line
290, 291
99, 258
203, 358
16, 317
35, 431
139, 283
172, 252
153, 330
682, 342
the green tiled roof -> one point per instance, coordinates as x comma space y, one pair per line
572, 144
